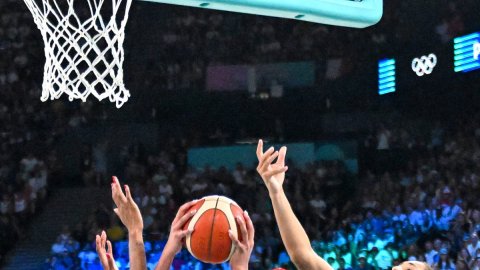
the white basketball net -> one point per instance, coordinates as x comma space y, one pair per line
84, 56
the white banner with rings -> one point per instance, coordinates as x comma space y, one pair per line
424, 65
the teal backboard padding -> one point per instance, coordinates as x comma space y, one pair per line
349, 13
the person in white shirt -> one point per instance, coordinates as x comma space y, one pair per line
384, 259
430, 254
239, 175
165, 190
399, 216
318, 205
28, 163
420, 217
474, 246
383, 138
5, 205
20, 203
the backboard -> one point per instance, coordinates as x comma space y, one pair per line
349, 13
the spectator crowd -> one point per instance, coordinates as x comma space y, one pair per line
24, 129
425, 210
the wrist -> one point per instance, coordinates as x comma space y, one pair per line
275, 193
135, 235
170, 249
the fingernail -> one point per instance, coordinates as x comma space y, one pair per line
230, 232
113, 179
193, 212
108, 255
246, 213
194, 201
125, 186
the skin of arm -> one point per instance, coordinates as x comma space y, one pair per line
166, 260
129, 213
176, 237
136, 249
293, 235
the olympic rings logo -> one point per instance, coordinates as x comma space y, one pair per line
424, 65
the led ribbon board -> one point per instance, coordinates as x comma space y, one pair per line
386, 76
350, 13
466, 52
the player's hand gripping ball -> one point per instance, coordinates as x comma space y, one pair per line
209, 241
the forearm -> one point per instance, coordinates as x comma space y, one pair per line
136, 249
294, 236
166, 259
233, 267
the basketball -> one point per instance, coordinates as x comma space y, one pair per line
209, 241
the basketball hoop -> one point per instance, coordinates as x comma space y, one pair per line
84, 54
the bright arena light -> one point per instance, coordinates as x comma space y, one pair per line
466, 52
476, 50
386, 76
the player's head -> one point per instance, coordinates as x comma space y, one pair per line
412, 265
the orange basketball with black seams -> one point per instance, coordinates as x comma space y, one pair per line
209, 241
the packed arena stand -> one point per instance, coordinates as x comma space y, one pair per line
424, 209
25, 132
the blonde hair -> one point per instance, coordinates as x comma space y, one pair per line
427, 266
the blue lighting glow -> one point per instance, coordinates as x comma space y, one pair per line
386, 76
466, 52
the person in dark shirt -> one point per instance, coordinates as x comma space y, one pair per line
362, 264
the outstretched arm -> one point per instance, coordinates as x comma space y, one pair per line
293, 235
128, 212
176, 237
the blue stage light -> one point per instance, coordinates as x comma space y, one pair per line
466, 52
386, 76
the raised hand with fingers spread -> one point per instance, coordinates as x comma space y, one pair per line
129, 213
244, 248
105, 255
127, 210
293, 235
177, 236
273, 174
